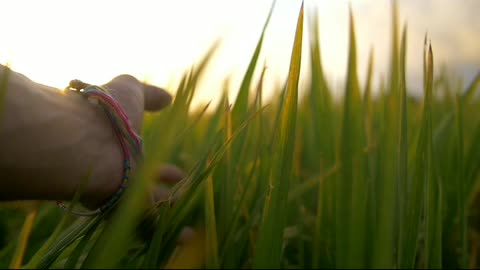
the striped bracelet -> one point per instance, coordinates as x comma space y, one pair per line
129, 141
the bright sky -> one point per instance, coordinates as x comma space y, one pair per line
53, 42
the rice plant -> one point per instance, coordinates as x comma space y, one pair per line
367, 181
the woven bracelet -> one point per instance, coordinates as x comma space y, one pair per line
130, 142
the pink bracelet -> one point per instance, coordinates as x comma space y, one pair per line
130, 142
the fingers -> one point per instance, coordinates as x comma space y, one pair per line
170, 174
155, 98
167, 174
160, 194
186, 235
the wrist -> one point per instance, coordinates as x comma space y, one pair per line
127, 139
106, 165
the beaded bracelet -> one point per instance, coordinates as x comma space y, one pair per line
129, 141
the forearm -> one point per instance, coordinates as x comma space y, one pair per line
49, 140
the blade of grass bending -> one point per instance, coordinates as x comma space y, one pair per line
228, 246
186, 90
189, 196
183, 134
74, 232
199, 71
269, 246
300, 189
165, 125
237, 113
74, 257
17, 259
241, 102
50, 248
154, 247
211, 243
180, 212
214, 124
173, 222
114, 241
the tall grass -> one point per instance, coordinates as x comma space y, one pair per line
296, 181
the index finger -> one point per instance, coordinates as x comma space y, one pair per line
156, 98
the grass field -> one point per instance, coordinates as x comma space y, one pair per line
298, 181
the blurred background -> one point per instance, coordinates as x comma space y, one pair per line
53, 42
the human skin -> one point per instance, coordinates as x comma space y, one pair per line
50, 139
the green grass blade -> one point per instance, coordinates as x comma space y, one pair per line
74, 257
351, 223
227, 186
362, 181
241, 102
318, 126
184, 207
60, 239
471, 89
18, 256
236, 115
211, 249
302, 188
269, 246
67, 238
114, 241
187, 87
154, 248
246, 184
416, 202
472, 166
320, 98
387, 194
395, 56
371, 152
461, 185
402, 180
367, 93
433, 246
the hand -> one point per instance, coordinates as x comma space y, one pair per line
135, 97
51, 139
